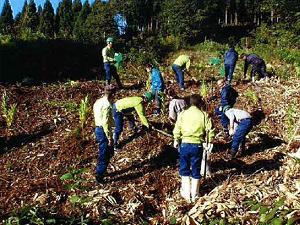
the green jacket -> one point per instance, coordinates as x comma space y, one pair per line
133, 102
193, 126
103, 116
183, 61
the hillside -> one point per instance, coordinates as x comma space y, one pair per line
45, 164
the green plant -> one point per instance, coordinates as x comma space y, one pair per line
252, 96
74, 179
8, 113
204, 92
292, 115
84, 111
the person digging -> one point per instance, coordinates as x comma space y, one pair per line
108, 54
258, 66
125, 108
192, 128
228, 99
157, 86
176, 105
104, 122
240, 124
181, 64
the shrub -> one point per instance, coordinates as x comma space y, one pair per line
8, 112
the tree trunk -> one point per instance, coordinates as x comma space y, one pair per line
226, 16
272, 16
236, 18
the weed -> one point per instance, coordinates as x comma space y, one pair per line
252, 96
74, 179
8, 113
67, 105
204, 92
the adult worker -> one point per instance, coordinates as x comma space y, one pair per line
193, 128
228, 99
181, 64
176, 105
104, 122
258, 66
157, 86
240, 123
126, 107
230, 59
108, 54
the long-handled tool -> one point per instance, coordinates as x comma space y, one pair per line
163, 132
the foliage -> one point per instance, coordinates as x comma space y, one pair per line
84, 111
46, 25
204, 92
5, 39
252, 96
292, 115
28, 35
6, 18
8, 113
79, 28
65, 15
37, 215
73, 180
30, 19
68, 105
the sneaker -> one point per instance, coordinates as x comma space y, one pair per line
230, 155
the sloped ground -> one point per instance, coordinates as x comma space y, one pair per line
142, 183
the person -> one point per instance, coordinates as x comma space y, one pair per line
240, 124
176, 105
108, 54
126, 107
157, 86
258, 66
228, 99
102, 110
230, 59
192, 128
181, 64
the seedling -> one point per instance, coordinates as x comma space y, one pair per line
83, 112
8, 113
252, 96
204, 90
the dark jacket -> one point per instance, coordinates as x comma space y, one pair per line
231, 56
228, 96
253, 60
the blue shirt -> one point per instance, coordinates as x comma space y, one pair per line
228, 96
157, 82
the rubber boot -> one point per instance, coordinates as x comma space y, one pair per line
195, 189
185, 188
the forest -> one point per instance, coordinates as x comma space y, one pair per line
52, 71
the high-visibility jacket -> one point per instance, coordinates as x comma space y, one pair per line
183, 61
108, 55
193, 126
133, 102
103, 115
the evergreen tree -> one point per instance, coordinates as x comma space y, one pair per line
30, 18
47, 20
65, 19
76, 8
6, 18
57, 19
78, 31
100, 23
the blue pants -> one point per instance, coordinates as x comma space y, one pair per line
104, 152
239, 136
179, 75
229, 69
190, 156
260, 69
119, 121
223, 118
111, 71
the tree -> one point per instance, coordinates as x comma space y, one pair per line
30, 18
100, 23
65, 19
6, 18
76, 8
47, 20
78, 31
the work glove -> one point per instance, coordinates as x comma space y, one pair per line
176, 144
208, 146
